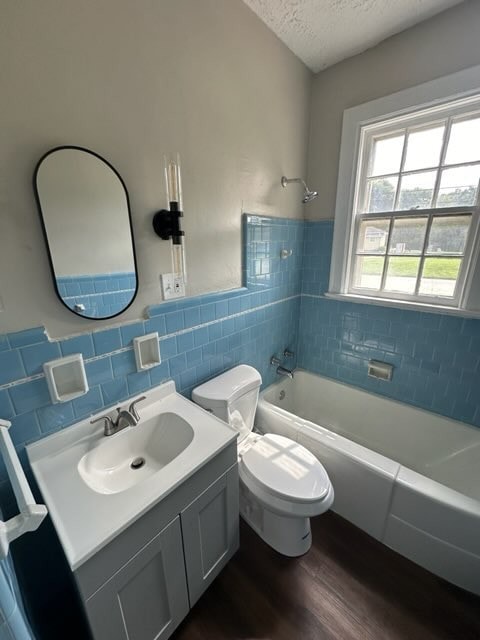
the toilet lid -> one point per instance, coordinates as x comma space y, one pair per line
286, 469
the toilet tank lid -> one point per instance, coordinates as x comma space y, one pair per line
228, 386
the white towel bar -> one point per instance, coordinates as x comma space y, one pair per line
31, 514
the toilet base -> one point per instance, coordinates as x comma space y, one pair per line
290, 536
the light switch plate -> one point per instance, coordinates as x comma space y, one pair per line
172, 286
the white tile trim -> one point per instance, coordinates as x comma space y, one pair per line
38, 376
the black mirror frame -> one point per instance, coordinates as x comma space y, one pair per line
44, 229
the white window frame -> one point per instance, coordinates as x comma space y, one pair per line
432, 97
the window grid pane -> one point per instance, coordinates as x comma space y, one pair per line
377, 197
424, 147
408, 236
439, 276
416, 200
416, 190
458, 186
394, 255
386, 155
464, 143
402, 274
380, 194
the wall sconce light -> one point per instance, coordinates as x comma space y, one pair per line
166, 223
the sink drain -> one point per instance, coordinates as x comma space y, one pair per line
137, 463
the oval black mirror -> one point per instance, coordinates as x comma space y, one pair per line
85, 213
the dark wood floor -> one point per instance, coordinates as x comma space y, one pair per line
348, 587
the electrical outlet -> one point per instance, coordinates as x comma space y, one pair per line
172, 286
179, 287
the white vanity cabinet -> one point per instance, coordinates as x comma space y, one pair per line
210, 531
147, 597
142, 584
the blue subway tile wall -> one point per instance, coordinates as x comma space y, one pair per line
101, 294
200, 337
25, 338
263, 266
317, 255
436, 357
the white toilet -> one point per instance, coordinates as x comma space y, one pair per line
281, 483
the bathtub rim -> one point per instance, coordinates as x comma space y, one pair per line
377, 462
462, 425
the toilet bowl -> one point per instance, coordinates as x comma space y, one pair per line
281, 483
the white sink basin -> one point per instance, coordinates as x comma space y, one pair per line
121, 461
86, 479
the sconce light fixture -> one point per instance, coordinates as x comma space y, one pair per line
166, 223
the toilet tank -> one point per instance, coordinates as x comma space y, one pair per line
232, 397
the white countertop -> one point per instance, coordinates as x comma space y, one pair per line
86, 520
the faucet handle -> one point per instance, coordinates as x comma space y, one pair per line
274, 361
109, 424
132, 408
288, 354
106, 420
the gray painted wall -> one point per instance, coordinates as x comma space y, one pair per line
442, 45
207, 79
132, 81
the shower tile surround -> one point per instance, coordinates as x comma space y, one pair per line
436, 357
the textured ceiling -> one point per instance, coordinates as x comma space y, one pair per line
323, 32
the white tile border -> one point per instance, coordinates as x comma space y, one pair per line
38, 376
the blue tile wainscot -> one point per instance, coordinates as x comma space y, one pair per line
436, 357
200, 337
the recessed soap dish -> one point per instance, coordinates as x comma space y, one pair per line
147, 351
380, 370
66, 378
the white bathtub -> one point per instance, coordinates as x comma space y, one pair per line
408, 477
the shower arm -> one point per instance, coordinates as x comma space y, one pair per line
286, 181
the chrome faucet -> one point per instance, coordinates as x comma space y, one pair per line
281, 371
124, 418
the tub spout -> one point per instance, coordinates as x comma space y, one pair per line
281, 371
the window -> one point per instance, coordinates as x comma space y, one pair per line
410, 233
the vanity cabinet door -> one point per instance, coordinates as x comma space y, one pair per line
210, 532
147, 598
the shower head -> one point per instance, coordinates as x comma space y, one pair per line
308, 195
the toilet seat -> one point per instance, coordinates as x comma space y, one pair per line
285, 475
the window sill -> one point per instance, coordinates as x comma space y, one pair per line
400, 304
